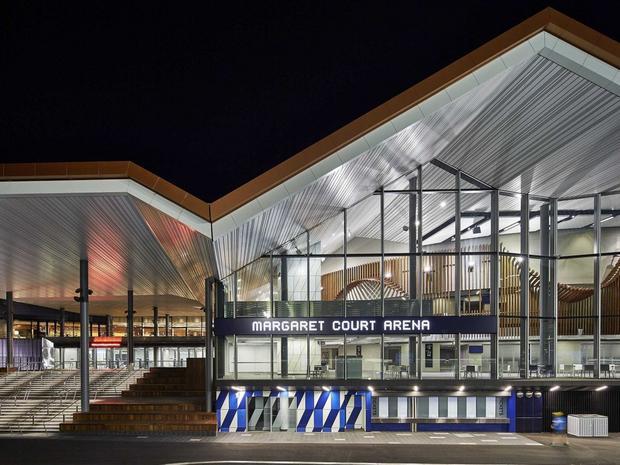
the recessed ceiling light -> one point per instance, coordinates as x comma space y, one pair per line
602, 388
554, 388
442, 204
462, 388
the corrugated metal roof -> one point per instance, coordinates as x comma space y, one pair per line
537, 128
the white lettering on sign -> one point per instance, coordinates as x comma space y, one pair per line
339, 325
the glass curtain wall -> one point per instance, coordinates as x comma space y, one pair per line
439, 243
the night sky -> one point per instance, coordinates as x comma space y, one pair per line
209, 96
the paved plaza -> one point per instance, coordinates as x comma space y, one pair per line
362, 437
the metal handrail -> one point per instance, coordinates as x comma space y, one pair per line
129, 372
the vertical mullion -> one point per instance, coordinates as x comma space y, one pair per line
235, 294
235, 357
307, 302
344, 277
525, 288
553, 278
494, 284
382, 271
457, 268
420, 270
597, 285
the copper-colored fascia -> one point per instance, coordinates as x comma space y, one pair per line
105, 170
549, 20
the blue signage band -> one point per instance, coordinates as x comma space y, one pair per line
358, 325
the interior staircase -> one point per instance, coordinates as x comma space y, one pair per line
164, 400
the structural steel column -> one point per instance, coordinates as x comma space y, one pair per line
84, 336
209, 301
413, 268
420, 269
156, 334
9, 330
545, 351
494, 297
457, 268
597, 285
382, 277
284, 298
108, 325
553, 282
130, 312
308, 302
63, 319
524, 323
155, 321
345, 282
167, 325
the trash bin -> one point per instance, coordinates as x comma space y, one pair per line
588, 425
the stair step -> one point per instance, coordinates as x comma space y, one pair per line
158, 387
162, 393
145, 407
110, 417
172, 371
160, 379
207, 428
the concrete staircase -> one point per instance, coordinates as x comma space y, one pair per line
37, 402
164, 400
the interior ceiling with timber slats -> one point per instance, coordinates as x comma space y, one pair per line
535, 128
129, 244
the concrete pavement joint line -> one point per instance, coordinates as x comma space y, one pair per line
287, 462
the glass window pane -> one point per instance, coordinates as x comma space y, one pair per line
610, 227
475, 284
253, 289
328, 237
225, 357
363, 357
400, 232
253, 357
364, 226
438, 226
575, 227
475, 222
327, 357
438, 356
397, 285
290, 357
475, 354
329, 302
510, 223
363, 291
228, 287
438, 284
399, 357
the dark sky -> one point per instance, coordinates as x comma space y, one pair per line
209, 96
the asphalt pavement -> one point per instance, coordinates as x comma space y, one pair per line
169, 450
